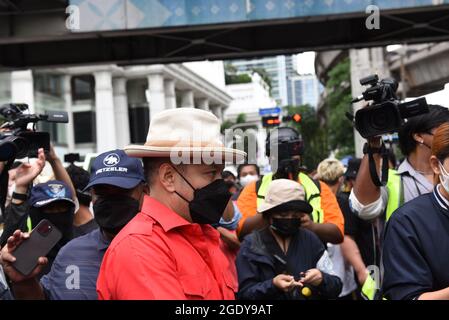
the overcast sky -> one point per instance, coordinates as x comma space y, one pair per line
306, 62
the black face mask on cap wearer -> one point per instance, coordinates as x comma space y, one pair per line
61, 220
113, 212
286, 227
209, 202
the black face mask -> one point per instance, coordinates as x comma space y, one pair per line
112, 213
286, 227
209, 202
63, 221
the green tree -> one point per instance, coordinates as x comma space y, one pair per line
338, 101
241, 118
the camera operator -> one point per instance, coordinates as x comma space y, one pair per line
17, 213
414, 175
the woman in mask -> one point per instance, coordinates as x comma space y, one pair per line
417, 237
284, 261
247, 173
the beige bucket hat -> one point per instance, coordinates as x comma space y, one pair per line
186, 134
285, 195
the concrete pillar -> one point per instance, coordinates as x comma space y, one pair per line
121, 112
203, 104
104, 112
363, 63
170, 94
187, 100
217, 111
22, 90
156, 93
67, 87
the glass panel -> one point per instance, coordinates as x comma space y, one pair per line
84, 126
83, 88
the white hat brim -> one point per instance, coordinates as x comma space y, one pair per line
207, 153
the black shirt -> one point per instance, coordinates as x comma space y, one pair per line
363, 232
84, 228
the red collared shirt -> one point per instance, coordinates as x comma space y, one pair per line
160, 255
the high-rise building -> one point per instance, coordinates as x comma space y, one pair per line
276, 67
303, 89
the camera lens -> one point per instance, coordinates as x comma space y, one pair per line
379, 120
8, 150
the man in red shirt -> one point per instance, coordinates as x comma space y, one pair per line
170, 250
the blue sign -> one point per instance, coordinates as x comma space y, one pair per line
268, 111
98, 15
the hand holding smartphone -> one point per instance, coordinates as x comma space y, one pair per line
42, 239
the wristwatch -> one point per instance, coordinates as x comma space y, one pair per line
367, 149
20, 196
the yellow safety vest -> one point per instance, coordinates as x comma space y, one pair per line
395, 200
311, 190
369, 289
29, 225
395, 193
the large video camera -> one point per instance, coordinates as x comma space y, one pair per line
385, 114
16, 141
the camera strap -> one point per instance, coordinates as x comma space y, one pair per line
372, 166
4, 177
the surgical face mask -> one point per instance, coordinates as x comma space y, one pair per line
444, 178
248, 179
209, 202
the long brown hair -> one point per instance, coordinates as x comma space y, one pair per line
440, 145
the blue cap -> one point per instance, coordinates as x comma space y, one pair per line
43, 194
117, 169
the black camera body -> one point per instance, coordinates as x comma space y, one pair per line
386, 114
72, 157
17, 141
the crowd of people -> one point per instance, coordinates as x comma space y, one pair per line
142, 225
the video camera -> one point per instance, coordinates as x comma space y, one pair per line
386, 114
19, 142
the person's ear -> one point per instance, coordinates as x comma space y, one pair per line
418, 138
166, 176
435, 165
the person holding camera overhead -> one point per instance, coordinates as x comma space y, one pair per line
413, 178
414, 175
326, 220
417, 236
19, 211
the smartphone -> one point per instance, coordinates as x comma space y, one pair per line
42, 239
